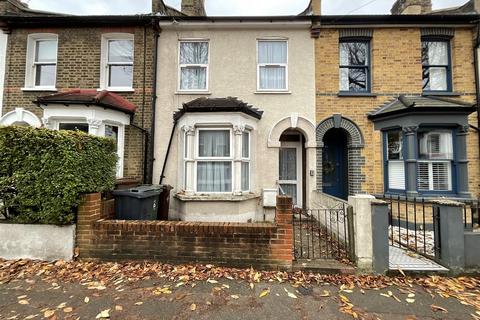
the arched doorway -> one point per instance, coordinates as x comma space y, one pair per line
291, 163
335, 163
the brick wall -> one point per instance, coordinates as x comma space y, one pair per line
396, 69
235, 244
78, 66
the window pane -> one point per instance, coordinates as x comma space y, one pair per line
193, 78
354, 53
46, 51
193, 52
435, 78
396, 175
214, 176
423, 176
112, 133
435, 145
74, 126
288, 164
245, 145
435, 53
45, 75
120, 76
120, 51
441, 176
272, 52
394, 145
245, 176
289, 190
214, 143
353, 79
273, 77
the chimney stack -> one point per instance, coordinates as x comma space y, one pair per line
193, 7
316, 6
411, 7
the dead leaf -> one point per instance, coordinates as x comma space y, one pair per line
325, 294
118, 308
193, 307
86, 300
62, 305
139, 303
22, 297
264, 293
291, 295
212, 281
68, 310
105, 314
409, 300
48, 313
438, 308
234, 296
23, 302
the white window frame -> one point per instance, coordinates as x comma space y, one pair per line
105, 65
206, 66
31, 64
285, 65
198, 158
247, 160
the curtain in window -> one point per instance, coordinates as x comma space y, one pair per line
120, 51
193, 78
436, 145
290, 190
396, 175
271, 52
245, 176
214, 143
194, 53
288, 164
273, 77
245, 145
214, 176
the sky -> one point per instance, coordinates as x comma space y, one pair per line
227, 7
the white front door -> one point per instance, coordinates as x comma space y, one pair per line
290, 172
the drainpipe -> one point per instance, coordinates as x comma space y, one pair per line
157, 31
477, 79
168, 151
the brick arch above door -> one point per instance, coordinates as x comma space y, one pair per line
356, 142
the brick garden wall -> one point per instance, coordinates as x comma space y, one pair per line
235, 244
78, 67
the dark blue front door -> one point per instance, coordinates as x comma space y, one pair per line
335, 179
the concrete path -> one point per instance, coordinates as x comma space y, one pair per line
409, 261
219, 299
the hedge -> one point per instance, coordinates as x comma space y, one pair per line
43, 172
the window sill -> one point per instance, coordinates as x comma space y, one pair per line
357, 94
227, 197
117, 89
420, 196
273, 92
39, 89
441, 94
193, 93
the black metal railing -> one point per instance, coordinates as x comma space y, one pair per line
323, 233
414, 224
471, 214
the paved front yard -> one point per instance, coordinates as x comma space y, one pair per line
154, 291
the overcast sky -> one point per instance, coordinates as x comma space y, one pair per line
227, 7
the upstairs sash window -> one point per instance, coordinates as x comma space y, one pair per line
355, 66
272, 67
45, 62
436, 65
120, 63
194, 56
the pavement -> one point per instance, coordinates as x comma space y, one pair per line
159, 298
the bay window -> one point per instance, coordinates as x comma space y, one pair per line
193, 65
436, 65
272, 65
355, 66
395, 160
435, 153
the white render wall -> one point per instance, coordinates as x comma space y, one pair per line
233, 72
37, 242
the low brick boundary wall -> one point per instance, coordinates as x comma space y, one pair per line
263, 245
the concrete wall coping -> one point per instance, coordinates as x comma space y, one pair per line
448, 203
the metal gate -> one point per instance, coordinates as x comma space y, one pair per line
414, 224
323, 234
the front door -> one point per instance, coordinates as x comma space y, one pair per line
290, 173
335, 180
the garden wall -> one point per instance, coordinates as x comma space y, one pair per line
37, 242
264, 245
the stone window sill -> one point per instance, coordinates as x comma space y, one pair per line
357, 94
441, 94
216, 197
273, 92
39, 89
131, 90
193, 93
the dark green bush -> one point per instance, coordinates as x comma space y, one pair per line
43, 172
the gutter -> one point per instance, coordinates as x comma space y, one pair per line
151, 154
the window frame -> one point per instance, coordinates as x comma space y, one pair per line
180, 66
447, 67
247, 160
387, 160
367, 67
198, 158
31, 63
105, 64
284, 65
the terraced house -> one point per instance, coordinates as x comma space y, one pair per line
395, 102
